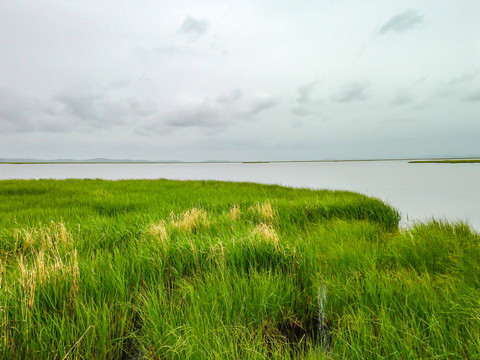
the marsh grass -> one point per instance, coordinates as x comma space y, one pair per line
210, 270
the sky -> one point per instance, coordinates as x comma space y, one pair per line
239, 80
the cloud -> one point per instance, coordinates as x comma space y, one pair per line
260, 104
305, 92
101, 109
473, 96
400, 120
300, 111
402, 97
23, 114
352, 92
295, 124
212, 115
463, 86
203, 114
81, 106
462, 80
177, 50
402, 22
231, 98
142, 108
13, 110
193, 28
76, 109
199, 116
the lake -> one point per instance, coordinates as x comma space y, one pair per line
418, 191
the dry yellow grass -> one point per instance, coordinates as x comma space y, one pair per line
217, 251
266, 232
1, 274
265, 211
190, 220
45, 269
234, 213
158, 230
55, 235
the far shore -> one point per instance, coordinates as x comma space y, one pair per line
445, 161
146, 162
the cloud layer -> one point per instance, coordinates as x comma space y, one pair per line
238, 80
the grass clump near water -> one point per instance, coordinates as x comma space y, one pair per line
93, 269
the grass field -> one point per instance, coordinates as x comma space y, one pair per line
93, 269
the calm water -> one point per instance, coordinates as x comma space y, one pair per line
419, 191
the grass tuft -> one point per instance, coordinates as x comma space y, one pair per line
234, 213
265, 232
190, 220
265, 211
158, 230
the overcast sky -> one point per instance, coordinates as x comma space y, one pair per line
239, 80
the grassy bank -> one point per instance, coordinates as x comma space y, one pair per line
95, 269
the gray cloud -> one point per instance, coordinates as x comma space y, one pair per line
199, 116
462, 80
402, 22
193, 28
402, 97
300, 111
295, 124
100, 109
463, 86
176, 50
400, 120
142, 108
261, 104
13, 110
305, 91
473, 96
210, 115
23, 115
233, 97
81, 106
73, 109
352, 92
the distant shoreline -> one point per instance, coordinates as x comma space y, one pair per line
113, 162
445, 161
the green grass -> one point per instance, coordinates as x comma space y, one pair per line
159, 269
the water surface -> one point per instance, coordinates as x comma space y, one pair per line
419, 191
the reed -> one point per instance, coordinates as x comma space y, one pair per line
212, 270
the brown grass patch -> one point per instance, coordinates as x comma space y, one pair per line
52, 236
191, 220
46, 269
158, 230
265, 211
266, 232
2, 271
234, 213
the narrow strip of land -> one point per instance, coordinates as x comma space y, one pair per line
444, 161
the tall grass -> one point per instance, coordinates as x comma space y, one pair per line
211, 270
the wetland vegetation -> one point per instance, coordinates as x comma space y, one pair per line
160, 269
